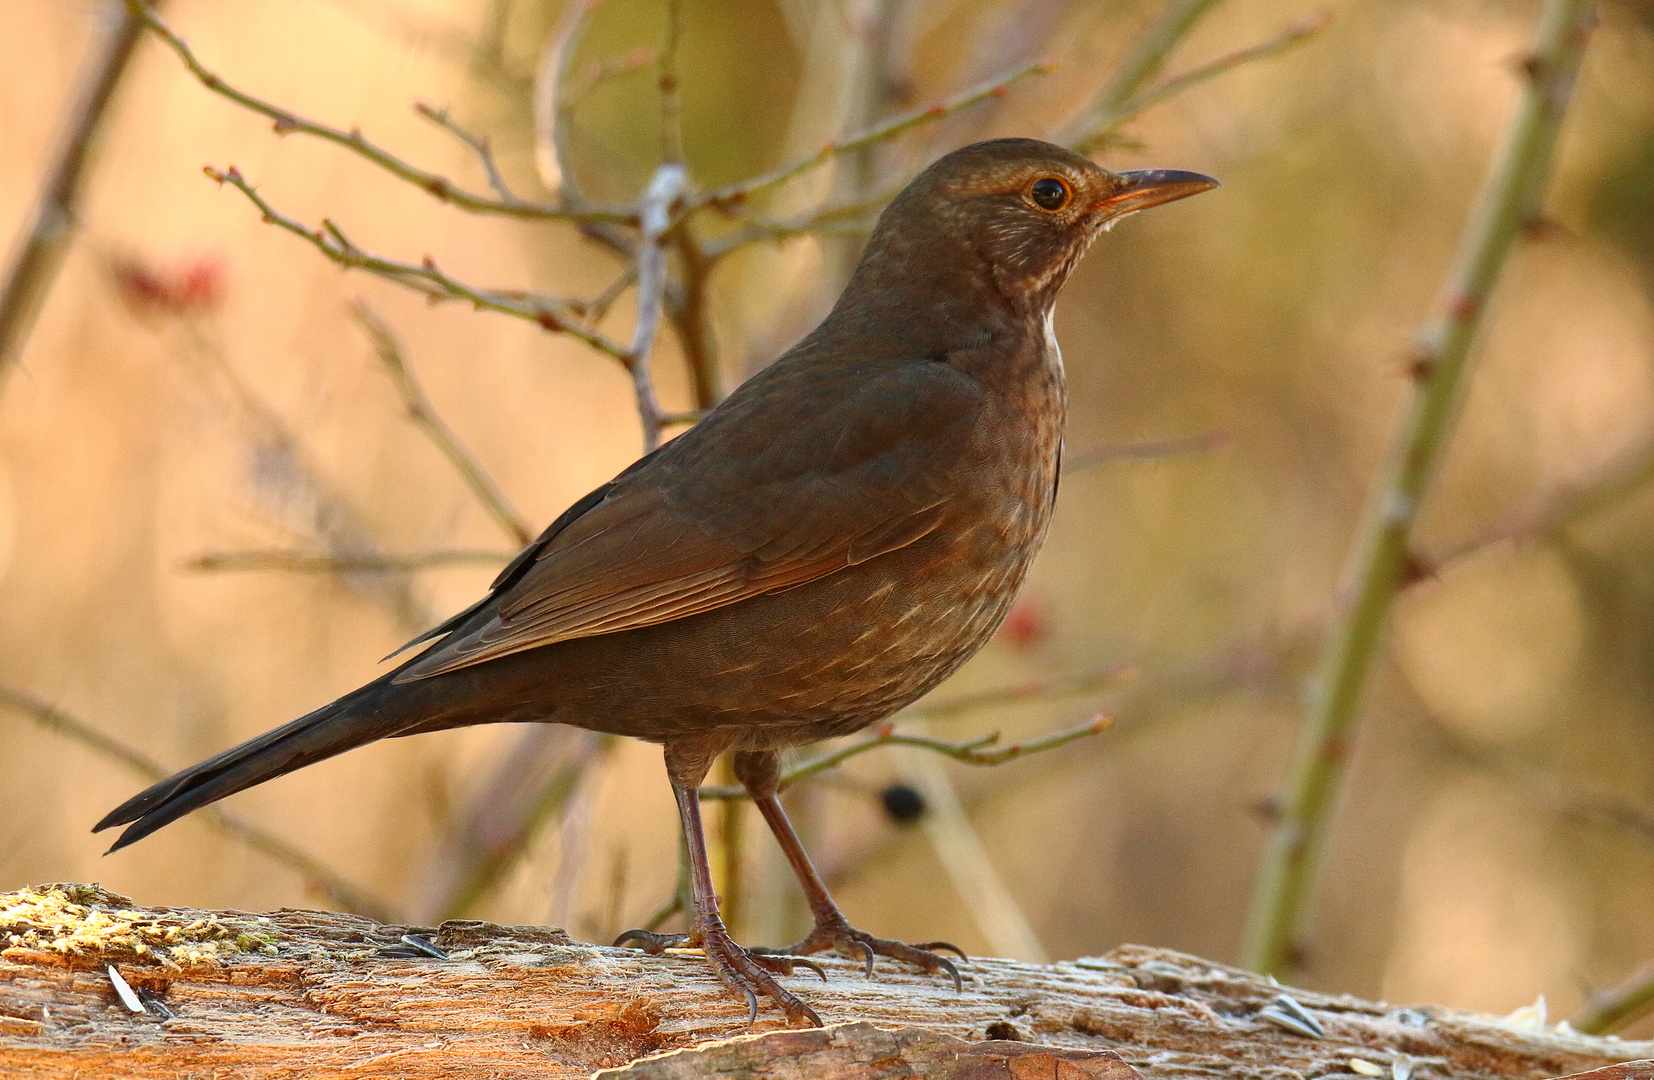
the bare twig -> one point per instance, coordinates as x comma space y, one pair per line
1619, 1005
424, 417
1100, 123
1381, 555
304, 562
1089, 681
997, 87
426, 277
595, 309
479, 145
983, 750
45, 238
1295, 34
437, 186
284, 478
664, 191
322, 877
480, 54
1141, 64
671, 94
1569, 503
847, 218
688, 310
1149, 450
552, 155
530, 786
965, 861
597, 72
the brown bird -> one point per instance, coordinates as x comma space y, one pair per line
824, 547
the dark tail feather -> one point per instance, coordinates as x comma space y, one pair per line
357, 718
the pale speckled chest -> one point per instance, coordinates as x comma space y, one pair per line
871, 651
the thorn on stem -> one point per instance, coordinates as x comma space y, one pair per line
284, 125
1541, 228
548, 321
1466, 307
1422, 365
1266, 808
1416, 568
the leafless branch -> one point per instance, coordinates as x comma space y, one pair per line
322, 877
304, 562
1295, 34
530, 786
983, 750
424, 417
1101, 122
552, 155
46, 237
597, 72
479, 145
671, 94
1149, 450
1619, 1005
1145, 59
663, 193
689, 311
1568, 503
1089, 681
439, 187
546, 312
595, 309
854, 218
734, 194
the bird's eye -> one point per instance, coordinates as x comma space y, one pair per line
1049, 193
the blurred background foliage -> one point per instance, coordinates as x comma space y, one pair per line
197, 383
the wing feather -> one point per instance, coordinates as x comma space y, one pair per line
734, 509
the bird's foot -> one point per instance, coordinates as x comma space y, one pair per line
745, 971
838, 935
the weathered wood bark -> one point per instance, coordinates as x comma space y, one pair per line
305, 993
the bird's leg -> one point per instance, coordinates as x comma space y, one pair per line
745, 973
760, 772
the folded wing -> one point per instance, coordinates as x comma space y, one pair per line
781, 485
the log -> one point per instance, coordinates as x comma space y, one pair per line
304, 993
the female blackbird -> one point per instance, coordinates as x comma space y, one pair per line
824, 547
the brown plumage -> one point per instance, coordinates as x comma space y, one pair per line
823, 548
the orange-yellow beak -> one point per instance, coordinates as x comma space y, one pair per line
1144, 188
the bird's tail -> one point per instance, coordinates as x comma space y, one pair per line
357, 718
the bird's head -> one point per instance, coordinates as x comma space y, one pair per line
1022, 209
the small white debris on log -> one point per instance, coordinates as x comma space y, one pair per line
305, 993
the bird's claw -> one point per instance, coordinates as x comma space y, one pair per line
747, 972
782, 963
839, 935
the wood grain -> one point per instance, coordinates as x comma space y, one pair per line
306, 993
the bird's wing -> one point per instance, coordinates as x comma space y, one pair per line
802, 474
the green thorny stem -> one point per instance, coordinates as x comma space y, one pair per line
1381, 557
